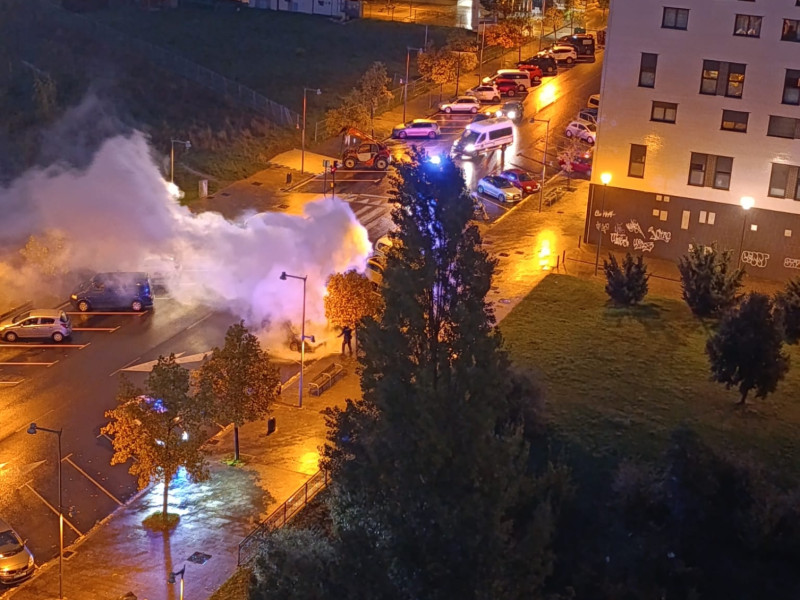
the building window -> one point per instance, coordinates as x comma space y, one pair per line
790, 31
784, 181
791, 86
722, 79
784, 127
734, 120
675, 18
708, 170
665, 112
647, 70
636, 161
747, 26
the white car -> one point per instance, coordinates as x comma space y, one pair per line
467, 104
563, 53
499, 188
374, 271
582, 130
485, 93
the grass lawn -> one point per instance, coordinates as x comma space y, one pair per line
277, 53
618, 381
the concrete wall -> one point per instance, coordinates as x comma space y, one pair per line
332, 8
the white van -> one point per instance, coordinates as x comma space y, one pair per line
521, 77
483, 136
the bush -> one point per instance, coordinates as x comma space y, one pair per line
627, 283
709, 283
787, 311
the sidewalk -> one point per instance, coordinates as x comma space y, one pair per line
120, 556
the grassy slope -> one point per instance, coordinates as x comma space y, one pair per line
618, 381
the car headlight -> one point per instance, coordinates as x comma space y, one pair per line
512, 114
30, 560
498, 113
73, 297
470, 148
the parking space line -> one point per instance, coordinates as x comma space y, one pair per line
190, 326
93, 313
90, 478
108, 329
11, 383
27, 364
24, 427
122, 368
37, 346
50, 506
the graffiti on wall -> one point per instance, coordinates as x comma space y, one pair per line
791, 263
755, 259
633, 227
642, 246
603, 227
620, 239
606, 214
659, 235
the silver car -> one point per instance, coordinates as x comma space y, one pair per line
38, 324
499, 188
417, 128
16, 561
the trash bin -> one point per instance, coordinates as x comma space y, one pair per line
288, 178
271, 425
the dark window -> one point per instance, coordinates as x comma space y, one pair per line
722, 173
791, 86
708, 84
46, 321
707, 170
636, 162
665, 112
784, 127
733, 120
735, 80
675, 18
697, 169
790, 31
784, 181
747, 26
647, 70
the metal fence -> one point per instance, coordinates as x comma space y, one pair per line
248, 547
169, 61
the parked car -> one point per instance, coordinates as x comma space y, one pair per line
563, 53
482, 116
534, 70
588, 114
114, 291
583, 130
544, 61
512, 109
507, 87
374, 271
581, 164
16, 561
499, 188
49, 324
485, 93
469, 104
382, 245
522, 180
593, 101
426, 128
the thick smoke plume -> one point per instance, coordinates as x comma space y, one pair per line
116, 214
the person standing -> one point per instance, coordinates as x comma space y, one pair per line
347, 336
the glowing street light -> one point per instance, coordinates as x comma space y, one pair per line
173, 576
303, 135
187, 145
606, 179
746, 202
303, 336
33, 430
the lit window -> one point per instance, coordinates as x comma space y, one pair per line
708, 84
735, 80
733, 120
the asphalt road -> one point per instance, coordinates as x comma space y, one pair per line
72, 385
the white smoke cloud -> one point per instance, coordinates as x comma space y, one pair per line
117, 215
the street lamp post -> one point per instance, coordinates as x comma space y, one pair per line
544, 158
303, 337
405, 81
317, 91
746, 202
186, 144
33, 430
173, 576
605, 178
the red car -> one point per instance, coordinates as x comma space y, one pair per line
522, 180
533, 70
581, 164
507, 87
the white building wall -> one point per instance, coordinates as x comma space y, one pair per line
635, 27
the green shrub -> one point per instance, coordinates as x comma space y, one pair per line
787, 311
627, 283
710, 284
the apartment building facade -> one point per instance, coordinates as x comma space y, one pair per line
700, 131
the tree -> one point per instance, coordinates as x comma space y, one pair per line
350, 299
573, 149
510, 33
373, 88
159, 428
240, 381
445, 64
429, 467
747, 349
358, 106
627, 284
553, 19
787, 311
709, 284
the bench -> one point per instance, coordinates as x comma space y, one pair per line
553, 195
325, 378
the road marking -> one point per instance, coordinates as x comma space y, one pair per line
44, 345
11, 383
108, 329
198, 321
24, 427
180, 359
28, 364
93, 313
50, 506
127, 365
90, 478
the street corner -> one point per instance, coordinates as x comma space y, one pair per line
302, 163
